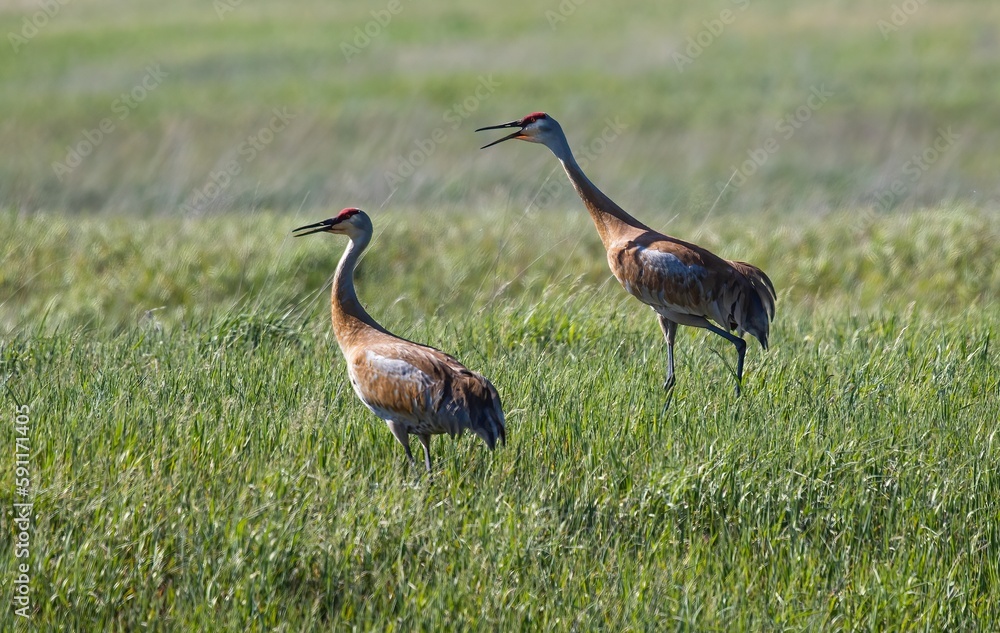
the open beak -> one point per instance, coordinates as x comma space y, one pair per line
318, 227
517, 134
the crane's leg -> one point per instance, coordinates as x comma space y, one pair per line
399, 430
741, 351
669, 333
425, 439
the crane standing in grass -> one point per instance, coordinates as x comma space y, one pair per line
416, 389
683, 283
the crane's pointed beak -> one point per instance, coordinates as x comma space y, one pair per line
517, 134
318, 227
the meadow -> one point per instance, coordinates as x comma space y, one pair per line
198, 460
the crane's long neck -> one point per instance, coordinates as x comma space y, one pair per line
611, 220
349, 317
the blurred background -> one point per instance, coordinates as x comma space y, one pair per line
674, 107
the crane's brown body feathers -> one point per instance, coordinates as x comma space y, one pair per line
687, 284
423, 389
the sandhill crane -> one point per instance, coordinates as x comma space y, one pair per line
415, 388
683, 283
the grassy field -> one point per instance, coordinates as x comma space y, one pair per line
197, 460
203, 463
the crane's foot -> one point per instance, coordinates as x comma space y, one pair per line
666, 405
670, 398
410, 465
411, 476
668, 386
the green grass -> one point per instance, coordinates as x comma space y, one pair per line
199, 462
206, 464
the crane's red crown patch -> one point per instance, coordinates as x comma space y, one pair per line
534, 116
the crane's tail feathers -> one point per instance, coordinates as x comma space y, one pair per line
490, 425
758, 303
